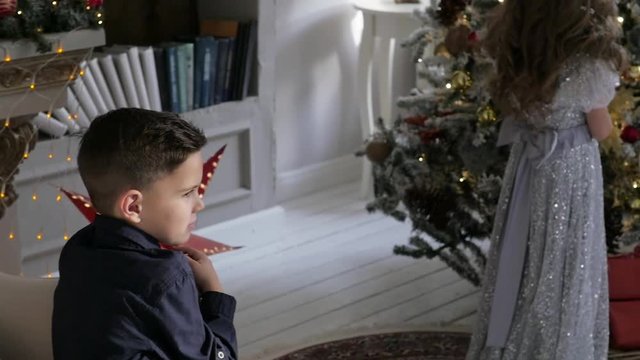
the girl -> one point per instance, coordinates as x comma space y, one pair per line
545, 287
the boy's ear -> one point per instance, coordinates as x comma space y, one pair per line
130, 206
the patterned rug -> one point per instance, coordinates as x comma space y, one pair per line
414, 345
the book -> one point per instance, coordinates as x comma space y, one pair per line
210, 51
227, 77
92, 88
249, 59
161, 72
205, 50
184, 52
208, 92
101, 82
221, 70
238, 61
171, 60
121, 61
148, 61
62, 115
75, 110
133, 53
220, 28
49, 125
111, 75
86, 102
198, 64
188, 50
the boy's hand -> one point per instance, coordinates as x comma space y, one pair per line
203, 271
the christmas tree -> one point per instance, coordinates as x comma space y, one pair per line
438, 164
30, 19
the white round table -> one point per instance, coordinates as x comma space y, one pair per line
390, 23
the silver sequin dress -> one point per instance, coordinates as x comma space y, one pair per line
561, 310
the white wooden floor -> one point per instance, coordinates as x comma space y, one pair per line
333, 272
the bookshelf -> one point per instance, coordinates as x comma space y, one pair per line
244, 181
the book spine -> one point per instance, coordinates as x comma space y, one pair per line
126, 77
62, 115
227, 81
101, 82
151, 78
163, 82
215, 51
188, 53
75, 110
92, 87
221, 73
198, 73
249, 59
83, 97
182, 77
133, 54
111, 74
172, 78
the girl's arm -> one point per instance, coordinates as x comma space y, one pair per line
599, 123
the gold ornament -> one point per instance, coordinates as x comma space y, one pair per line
441, 50
486, 115
633, 73
461, 80
623, 102
613, 143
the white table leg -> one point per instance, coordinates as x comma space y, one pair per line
365, 97
385, 80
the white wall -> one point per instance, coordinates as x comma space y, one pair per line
316, 119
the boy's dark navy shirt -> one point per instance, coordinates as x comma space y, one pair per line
122, 297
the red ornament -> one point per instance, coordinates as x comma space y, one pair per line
94, 3
428, 135
473, 37
630, 134
8, 8
416, 120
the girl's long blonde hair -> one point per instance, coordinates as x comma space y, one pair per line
531, 40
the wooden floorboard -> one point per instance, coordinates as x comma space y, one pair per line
334, 270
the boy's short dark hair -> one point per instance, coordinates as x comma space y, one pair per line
132, 148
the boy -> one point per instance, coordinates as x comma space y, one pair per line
119, 295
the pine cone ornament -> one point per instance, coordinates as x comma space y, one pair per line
378, 151
457, 40
8, 8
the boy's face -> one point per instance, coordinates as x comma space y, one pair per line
170, 204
